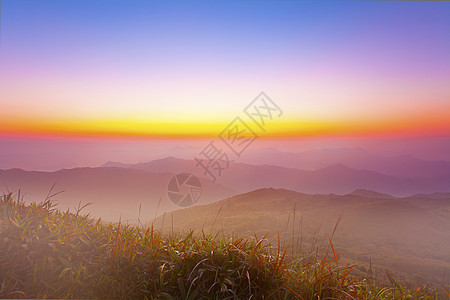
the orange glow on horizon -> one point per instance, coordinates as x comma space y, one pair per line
424, 124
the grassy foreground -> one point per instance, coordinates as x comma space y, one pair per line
46, 253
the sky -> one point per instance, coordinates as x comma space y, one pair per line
185, 69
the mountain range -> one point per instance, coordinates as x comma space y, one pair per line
403, 165
143, 186
336, 178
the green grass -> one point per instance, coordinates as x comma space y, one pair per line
46, 253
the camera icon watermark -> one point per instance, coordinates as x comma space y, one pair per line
184, 189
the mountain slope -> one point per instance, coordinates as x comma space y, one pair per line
114, 192
408, 235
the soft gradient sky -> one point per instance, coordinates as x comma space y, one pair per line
136, 67
187, 68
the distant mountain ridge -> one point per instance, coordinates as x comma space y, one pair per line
406, 166
370, 194
336, 178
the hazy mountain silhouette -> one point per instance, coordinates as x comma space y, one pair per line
336, 178
406, 166
370, 194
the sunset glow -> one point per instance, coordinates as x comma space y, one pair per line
426, 123
71, 76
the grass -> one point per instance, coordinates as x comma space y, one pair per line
47, 253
